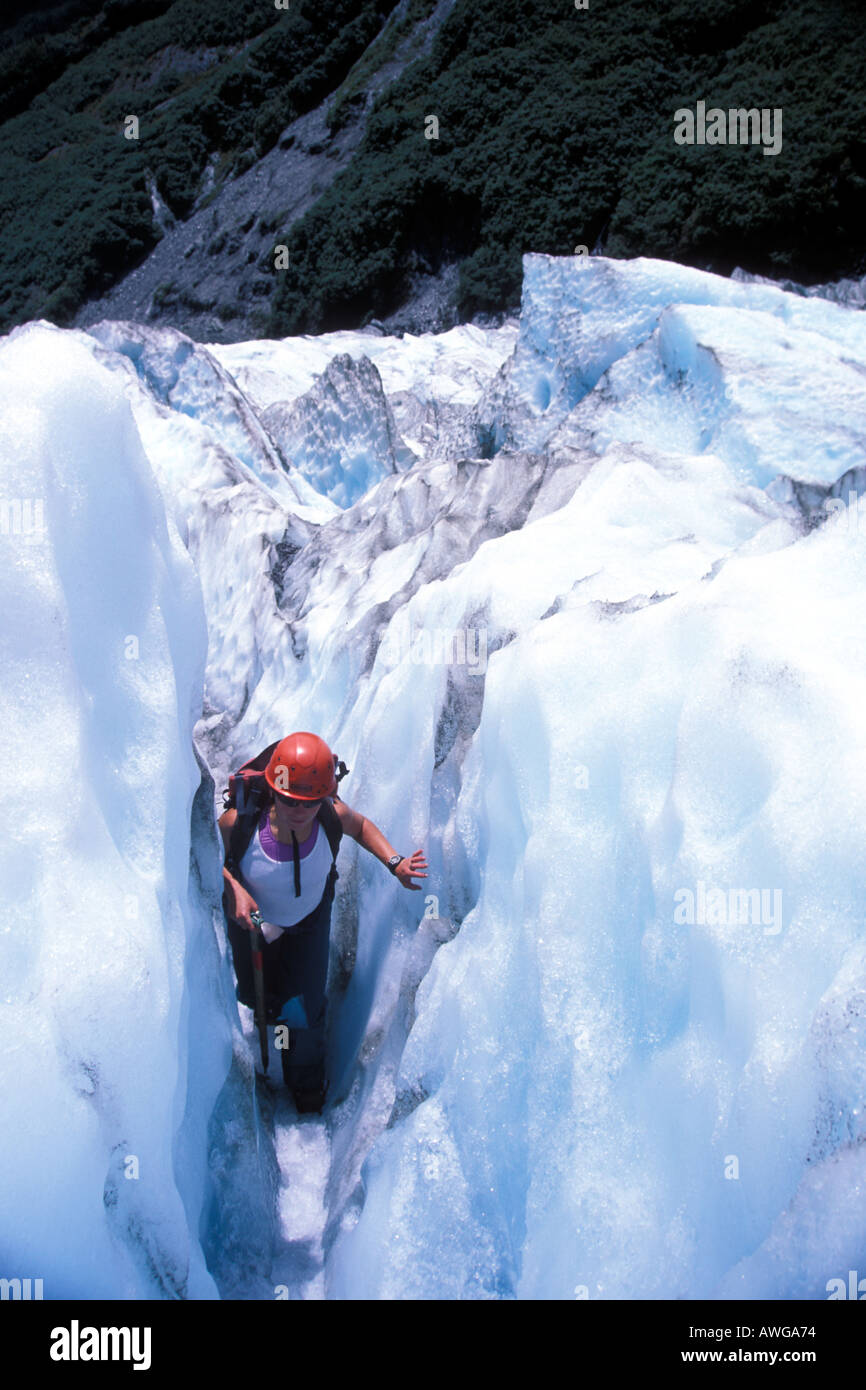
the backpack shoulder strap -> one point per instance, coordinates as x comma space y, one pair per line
242, 832
331, 824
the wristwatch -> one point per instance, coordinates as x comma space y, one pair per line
394, 861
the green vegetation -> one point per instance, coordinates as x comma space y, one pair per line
381, 51
75, 212
556, 128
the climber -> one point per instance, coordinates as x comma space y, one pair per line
281, 833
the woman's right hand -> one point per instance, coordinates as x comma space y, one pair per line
244, 905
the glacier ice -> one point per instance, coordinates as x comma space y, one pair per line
550, 1083
109, 963
341, 434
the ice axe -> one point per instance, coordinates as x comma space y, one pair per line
257, 943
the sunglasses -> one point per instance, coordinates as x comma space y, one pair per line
293, 803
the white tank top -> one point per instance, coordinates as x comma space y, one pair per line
268, 872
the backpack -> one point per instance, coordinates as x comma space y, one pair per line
248, 793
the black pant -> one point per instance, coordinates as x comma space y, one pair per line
295, 969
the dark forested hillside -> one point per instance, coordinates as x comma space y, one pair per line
555, 128
204, 80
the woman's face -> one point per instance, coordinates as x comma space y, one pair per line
294, 815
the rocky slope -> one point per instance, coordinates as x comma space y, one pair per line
211, 275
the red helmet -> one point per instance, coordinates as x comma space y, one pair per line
302, 765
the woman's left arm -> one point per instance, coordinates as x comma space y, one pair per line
371, 838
